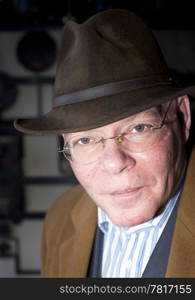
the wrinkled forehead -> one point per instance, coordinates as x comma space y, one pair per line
150, 115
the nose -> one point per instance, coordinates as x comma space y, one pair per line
115, 158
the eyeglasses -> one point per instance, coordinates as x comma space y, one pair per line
138, 137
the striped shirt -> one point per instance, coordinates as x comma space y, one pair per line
126, 250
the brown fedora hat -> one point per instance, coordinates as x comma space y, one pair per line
109, 68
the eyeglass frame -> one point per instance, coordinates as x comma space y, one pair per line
117, 138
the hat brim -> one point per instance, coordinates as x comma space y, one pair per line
101, 111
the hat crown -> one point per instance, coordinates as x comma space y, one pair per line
113, 45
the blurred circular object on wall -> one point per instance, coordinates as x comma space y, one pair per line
8, 90
36, 50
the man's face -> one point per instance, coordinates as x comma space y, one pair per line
132, 186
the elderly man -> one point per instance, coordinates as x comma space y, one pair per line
125, 125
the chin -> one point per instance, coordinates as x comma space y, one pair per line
122, 221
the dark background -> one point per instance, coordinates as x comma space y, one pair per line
158, 13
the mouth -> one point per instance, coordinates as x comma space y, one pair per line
126, 192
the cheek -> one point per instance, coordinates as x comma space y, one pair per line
158, 160
156, 167
165, 162
86, 175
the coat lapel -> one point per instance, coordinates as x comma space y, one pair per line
182, 255
74, 253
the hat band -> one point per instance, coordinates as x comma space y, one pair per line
111, 89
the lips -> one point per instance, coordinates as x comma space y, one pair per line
125, 192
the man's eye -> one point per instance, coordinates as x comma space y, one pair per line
142, 128
85, 141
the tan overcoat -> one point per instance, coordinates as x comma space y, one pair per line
70, 225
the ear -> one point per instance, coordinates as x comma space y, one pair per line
185, 111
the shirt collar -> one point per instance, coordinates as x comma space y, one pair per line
105, 224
